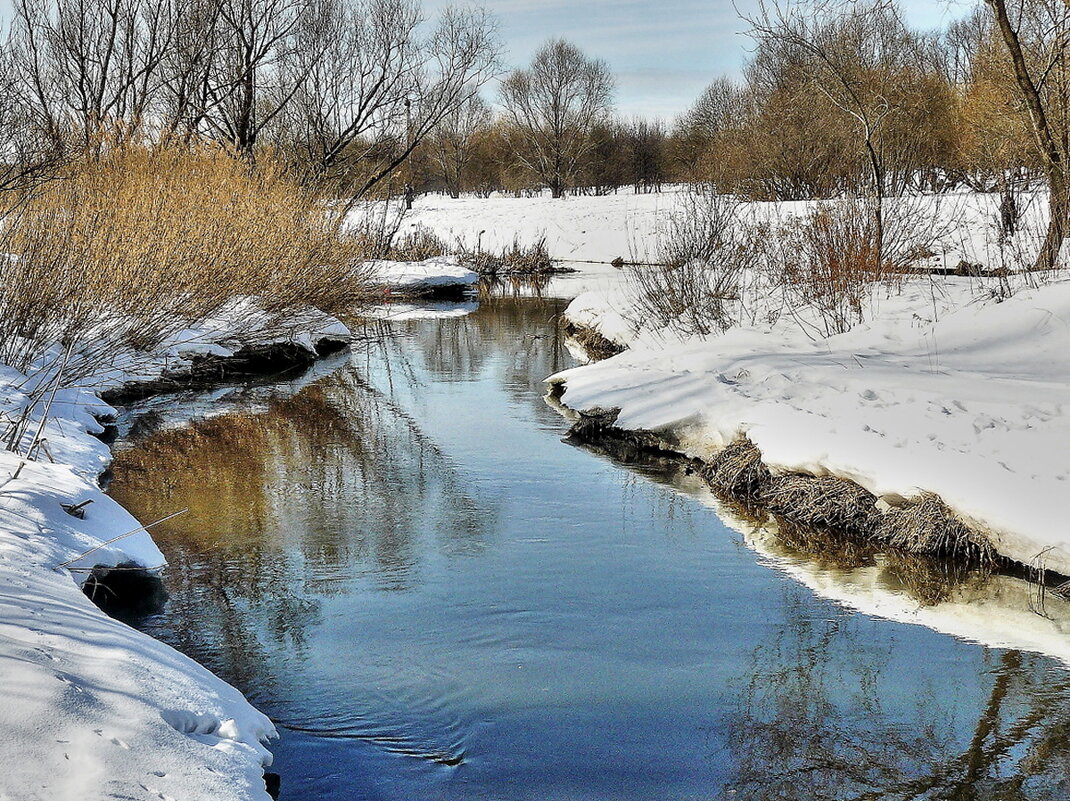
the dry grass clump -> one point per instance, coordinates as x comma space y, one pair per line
419, 244
925, 526
821, 501
928, 526
140, 243
738, 470
515, 259
691, 283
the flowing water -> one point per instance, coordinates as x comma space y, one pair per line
436, 597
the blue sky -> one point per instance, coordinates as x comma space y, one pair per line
663, 52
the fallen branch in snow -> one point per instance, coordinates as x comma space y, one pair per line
130, 533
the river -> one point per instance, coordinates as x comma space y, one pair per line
437, 598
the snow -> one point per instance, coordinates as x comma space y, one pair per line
93, 708
575, 228
409, 277
398, 312
969, 407
90, 703
943, 389
626, 225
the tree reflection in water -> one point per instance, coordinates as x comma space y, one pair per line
332, 485
341, 484
809, 722
286, 507
810, 725
811, 718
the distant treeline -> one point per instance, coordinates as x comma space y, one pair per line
834, 98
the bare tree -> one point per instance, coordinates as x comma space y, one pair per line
376, 80
553, 106
27, 155
88, 64
855, 55
1039, 56
249, 89
453, 141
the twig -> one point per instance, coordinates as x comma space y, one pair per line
121, 536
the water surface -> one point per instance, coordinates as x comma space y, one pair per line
435, 597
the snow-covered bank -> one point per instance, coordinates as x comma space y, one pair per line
434, 276
93, 708
954, 386
626, 225
241, 339
969, 407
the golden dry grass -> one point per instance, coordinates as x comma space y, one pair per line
125, 249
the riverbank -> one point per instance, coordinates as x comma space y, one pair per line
865, 430
946, 386
94, 708
625, 607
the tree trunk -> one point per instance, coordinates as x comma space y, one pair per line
1045, 138
1058, 227
877, 173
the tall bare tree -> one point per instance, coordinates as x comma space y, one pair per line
87, 64
855, 55
454, 139
553, 105
377, 78
1036, 37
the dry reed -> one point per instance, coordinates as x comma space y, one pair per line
927, 526
126, 249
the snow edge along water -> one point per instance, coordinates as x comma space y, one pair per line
967, 407
94, 708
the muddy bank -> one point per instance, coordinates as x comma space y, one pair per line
205, 371
594, 344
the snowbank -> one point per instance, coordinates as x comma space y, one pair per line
92, 707
575, 228
438, 274
240, 328
398, 312
970, 407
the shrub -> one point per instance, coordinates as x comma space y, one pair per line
699, 266
832, 259
139, 243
